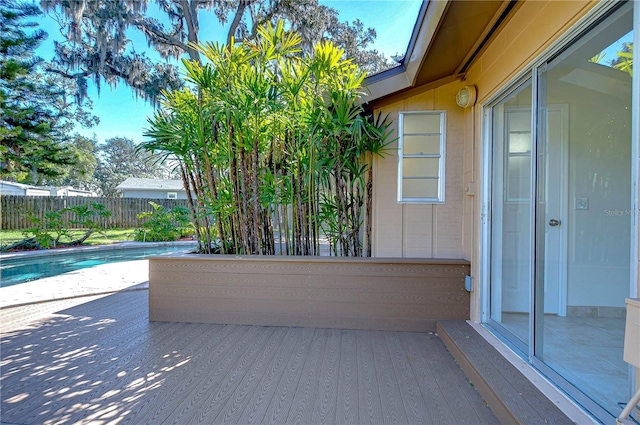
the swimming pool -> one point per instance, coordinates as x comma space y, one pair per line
25, 268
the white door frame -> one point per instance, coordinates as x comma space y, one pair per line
558, 249
560, 252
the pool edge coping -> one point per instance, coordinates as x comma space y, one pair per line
90, 248
136, 287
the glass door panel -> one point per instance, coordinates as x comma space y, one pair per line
511, 215
583, 211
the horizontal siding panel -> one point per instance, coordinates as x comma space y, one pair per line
380, 310
302, 266
318, 292
272, 281
428, 297
274, 319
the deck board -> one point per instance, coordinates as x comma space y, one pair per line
409, 389
462, 395
347, 392
390, 398
434, 399
324, 409
256, 408
369, 405
302, 405
279, 407
99, 359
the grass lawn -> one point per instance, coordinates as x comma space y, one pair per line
112, 235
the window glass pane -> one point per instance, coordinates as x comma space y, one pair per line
519, 169
519, 120
414, 145
421, 123
519, 142
420, 167
420, 188
421, 177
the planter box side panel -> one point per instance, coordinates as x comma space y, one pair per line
378, 294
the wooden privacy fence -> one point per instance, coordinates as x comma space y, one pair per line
14, 210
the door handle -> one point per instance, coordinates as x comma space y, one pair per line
553, 222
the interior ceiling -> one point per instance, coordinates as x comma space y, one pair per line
460, 35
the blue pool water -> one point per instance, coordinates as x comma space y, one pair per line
24, 269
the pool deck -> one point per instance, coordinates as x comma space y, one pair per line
102, 279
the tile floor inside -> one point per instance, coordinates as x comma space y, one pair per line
586, 351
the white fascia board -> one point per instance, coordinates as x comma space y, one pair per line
387, 86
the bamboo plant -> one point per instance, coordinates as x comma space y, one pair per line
273, 146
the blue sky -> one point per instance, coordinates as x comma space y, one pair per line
121, 114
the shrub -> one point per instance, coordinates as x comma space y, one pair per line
163, 225
53, 232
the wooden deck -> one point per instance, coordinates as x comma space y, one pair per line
100, 360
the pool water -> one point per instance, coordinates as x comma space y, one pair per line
25, 269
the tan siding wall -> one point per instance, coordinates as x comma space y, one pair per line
453, 230
422, 230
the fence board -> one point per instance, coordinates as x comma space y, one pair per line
15, 210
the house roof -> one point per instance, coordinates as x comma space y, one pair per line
18, 185
22, 186
74, 190
447, 37
133, 183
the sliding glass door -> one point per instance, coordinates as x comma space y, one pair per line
583, 210
561, 213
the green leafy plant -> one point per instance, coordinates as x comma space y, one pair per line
47, 232
55, 230
88, 217
163, 225
274, 146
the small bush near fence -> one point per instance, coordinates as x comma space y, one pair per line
163, 224
15, 210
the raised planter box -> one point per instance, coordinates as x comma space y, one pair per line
329, 292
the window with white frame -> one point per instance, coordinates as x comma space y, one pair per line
421, 157
172, 195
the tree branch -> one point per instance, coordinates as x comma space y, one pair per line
66, 74
236, 20
190, 13
267, 17
159, 35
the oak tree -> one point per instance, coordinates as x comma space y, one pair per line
98, 43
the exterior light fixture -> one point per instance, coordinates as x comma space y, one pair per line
466, 97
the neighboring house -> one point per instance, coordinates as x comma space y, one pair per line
70, 191
19, 189
517, 150
152, 188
